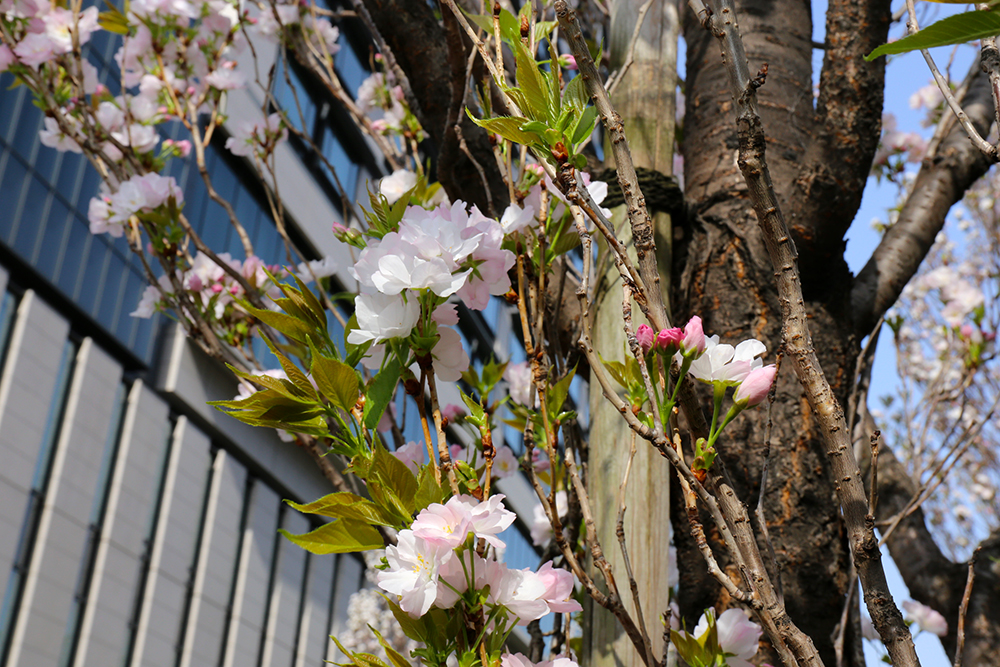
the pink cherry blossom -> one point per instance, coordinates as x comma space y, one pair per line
558, 589
518, 377
753, 390
668, 341
7, 57
412, 454
738, 636
450, 357
53, 137
505, 463
645, 337
541, 528
35, 49
397, 184
694, 337
926, 618
445, 525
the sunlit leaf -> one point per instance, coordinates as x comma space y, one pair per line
956, 29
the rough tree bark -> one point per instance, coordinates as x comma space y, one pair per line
725, 274
819, 158
645, 101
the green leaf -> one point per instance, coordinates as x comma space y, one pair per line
508, 127
338, 537
477, 415
542, 28
428, 490
311, 302
113, 20
559, 391
411, 627
345, 505
585, 125
394, 474
337, 381
291, 326
292, 372
394, 656
956, 29
380, 392
532, 83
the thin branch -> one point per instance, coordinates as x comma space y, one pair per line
873, 486
642, 224
943, 85
963, 608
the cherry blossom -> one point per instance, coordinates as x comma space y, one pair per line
738, 636
541, 528
413, 572
505, 463
381, 317
722, 363
412, 454
397, 184
754, 389
927, 619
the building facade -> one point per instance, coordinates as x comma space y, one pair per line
138, 527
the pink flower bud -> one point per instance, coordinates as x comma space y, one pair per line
568, 61
195, 283
754, 388
644, 335
379, 125
535, 169
668, 340
217, 288
694, 337
183, 147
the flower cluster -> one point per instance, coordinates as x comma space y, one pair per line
435, 564
382, 98
731, 639
408, 274
257, 139
149, 193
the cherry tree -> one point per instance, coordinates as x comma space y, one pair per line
727, 346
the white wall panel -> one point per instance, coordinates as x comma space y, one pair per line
131, 502
165, 595
29, 377
313, 628
62, 536
349, 575
286, 593
250, 597
216, 564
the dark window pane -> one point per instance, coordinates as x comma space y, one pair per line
26, 133
30, 218
12, 182
69, 176
110, 298
50, 252
76, 247
90, 286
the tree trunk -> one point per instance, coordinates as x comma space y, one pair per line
645, 100
723, 273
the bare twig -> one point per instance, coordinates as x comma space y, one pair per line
944, 86
642, 224
873, 487
963, 608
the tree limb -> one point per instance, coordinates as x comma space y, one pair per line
940, 183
